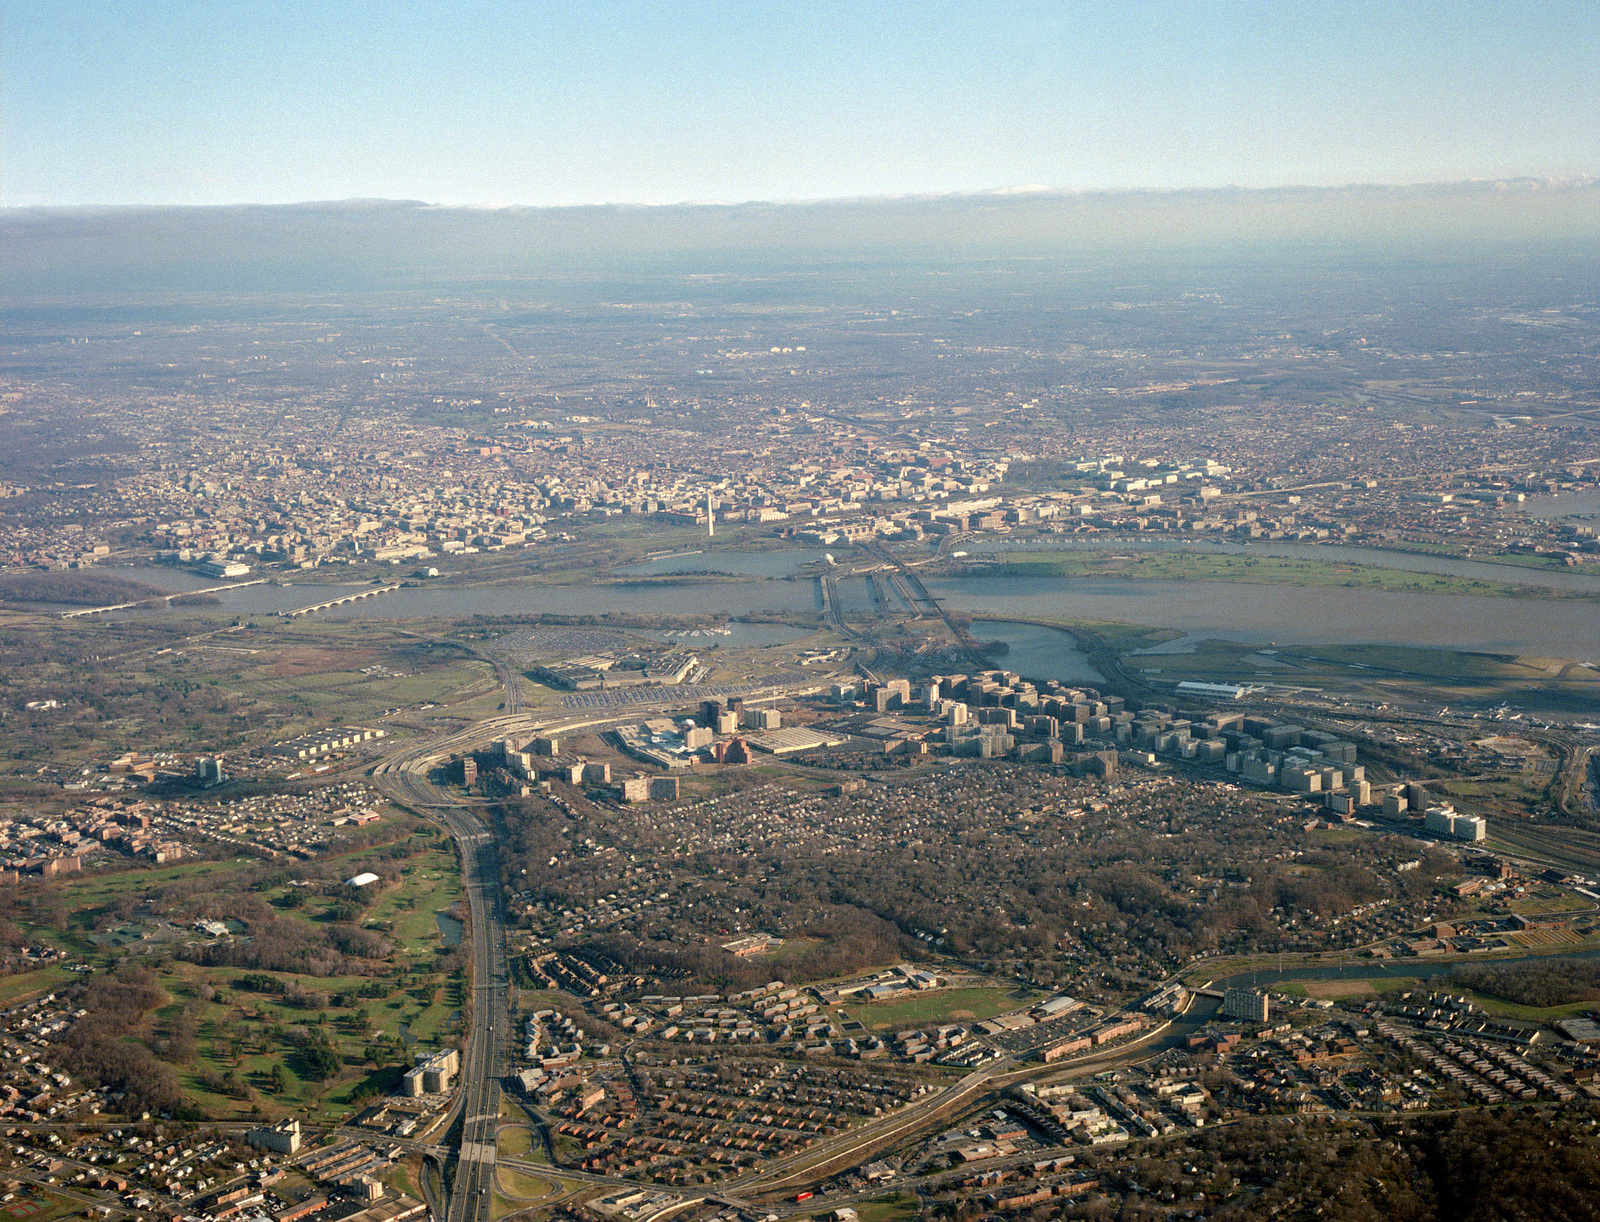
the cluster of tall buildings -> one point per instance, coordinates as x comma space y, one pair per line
433, 1074
1447, 822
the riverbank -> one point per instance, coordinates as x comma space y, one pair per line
1257, 570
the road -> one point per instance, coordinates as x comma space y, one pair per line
404, 778
485, 1062
919, 595
509, 681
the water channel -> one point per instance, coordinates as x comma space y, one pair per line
1253, 614
1038, 652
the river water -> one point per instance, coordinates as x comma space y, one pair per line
1039, 653
1567, 505
1291, 615
1254, 614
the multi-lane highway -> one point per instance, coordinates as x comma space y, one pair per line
485, 1061
404, 777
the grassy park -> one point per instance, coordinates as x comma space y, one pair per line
186, 682
939, 1006
315, 1003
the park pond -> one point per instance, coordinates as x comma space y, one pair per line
451, 929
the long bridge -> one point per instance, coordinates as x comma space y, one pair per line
908, 583
232, 585
339, 602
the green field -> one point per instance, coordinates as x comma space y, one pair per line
1221, 969
34, 1204
1382, 985
1336, 835
45, 980
1265, 570
1501, 1008
236, 1036
943, 1005
896, 1207
91, 892
524, 1186
1337, 990
400, 1180
515, 1141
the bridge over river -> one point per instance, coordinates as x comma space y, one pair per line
339, 602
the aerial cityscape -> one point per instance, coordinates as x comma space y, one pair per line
914, 704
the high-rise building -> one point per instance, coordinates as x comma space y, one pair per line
1448, 822
1246, 1005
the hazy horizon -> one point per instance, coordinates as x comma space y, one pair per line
383, 243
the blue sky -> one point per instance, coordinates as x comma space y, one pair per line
275, 101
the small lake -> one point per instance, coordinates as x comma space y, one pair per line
1038, 653
450, 929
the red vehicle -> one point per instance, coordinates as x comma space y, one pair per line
804, 1196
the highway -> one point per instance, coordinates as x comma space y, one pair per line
485, 1063
404, 778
